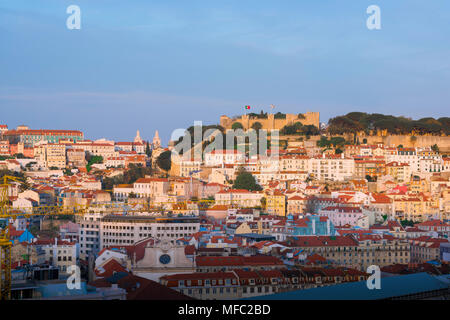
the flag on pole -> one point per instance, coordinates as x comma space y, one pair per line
247, 107
272, 106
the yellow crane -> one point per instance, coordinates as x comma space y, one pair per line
5, 243
7, 212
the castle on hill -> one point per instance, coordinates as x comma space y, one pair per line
270, 123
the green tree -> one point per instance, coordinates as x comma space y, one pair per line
279, 115
237, 125
435, 148
164, 160
246, 180
337, 141
263, 203
148, 151
407, 223
360, 121
24, 185
323, 142
257, 126
93, 160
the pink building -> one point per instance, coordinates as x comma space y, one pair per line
341, 216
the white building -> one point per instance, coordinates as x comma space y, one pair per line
59, 253
116, 230
332, 167
239, 197
220, 157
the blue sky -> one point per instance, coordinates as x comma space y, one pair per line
151, 65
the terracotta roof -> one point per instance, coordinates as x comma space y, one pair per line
109, 269
320, 241
237, 261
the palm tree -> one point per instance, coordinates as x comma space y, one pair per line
257, 126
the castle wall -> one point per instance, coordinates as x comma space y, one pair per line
421, 141
311, 118
443, 142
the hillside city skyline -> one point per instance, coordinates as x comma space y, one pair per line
224, 159
165, 133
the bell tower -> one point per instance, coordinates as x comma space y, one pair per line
156, 141
137, 139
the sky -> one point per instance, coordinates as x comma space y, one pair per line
161, 65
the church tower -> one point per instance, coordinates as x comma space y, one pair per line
137, 139
156, 141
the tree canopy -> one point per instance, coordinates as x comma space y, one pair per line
92, 160
359, 121
148, 151
24, 185
262, 115
190, 132
130, 176
279, 115
237, 125
257, 126
299, 129
333, 141
245, 180
164, 160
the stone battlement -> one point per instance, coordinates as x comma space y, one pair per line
270, 123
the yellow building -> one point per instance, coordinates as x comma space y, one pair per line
276, 204
185, 168
418, 208
243, 228
51, 154
296, 205
359, 254
418, 185
401, 172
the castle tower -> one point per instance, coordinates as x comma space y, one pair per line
138, 137
156, 141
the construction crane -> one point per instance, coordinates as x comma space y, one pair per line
5, 243
7, 212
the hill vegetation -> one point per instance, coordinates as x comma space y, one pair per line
354, 122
